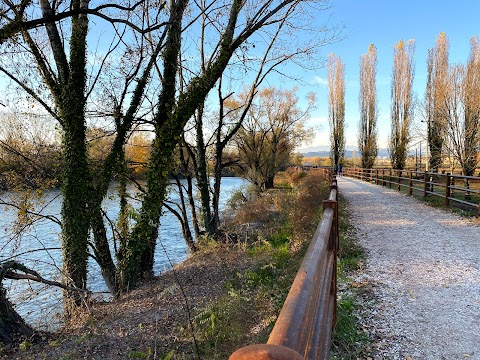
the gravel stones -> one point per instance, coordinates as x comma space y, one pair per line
424, 267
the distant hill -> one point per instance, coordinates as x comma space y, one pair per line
349, 153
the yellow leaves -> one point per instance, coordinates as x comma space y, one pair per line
137, 151
400, 45
358, 284
441, 37
232, 103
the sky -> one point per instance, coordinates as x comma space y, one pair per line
384, 23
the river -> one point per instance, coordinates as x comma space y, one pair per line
39, 249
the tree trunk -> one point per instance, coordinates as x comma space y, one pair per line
193, 209
12, 326
201, 173
76, 177
268, 183
102, 251
75, 216
216, 187
139, 255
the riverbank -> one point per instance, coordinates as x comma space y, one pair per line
234, 291
149, 322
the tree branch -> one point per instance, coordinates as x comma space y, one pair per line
8, 270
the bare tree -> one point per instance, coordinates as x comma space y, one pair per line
435, 94
463, 109
59, 76
367, 140
273, 128
401, 113
214, 125
336, 108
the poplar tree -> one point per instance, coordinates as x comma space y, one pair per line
435, 95
402, 102
367, 141
463, 108
336, 108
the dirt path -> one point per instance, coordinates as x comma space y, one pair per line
424, 266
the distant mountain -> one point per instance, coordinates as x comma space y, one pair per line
349, 153
316, 154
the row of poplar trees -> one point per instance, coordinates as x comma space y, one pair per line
451, 108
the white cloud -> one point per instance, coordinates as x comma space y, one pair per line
321, 81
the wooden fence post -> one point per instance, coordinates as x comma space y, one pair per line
447, 191
390, 177
398, 179
410, 191
425, 183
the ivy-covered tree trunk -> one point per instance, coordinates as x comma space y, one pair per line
102, 251
202, 177
170, 120
75, 181
139, 256
217, 185
75, 221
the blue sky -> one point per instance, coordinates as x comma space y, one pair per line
383, 23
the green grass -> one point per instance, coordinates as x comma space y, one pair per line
254, 294
349, 341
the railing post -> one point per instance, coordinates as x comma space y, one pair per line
447, 191
398, 179
425, 183
376, 177
390, 177
478, 211
384, 183
410, 191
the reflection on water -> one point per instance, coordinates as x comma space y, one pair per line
39, 249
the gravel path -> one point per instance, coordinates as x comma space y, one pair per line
424, 267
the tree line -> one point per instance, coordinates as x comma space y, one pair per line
450, 108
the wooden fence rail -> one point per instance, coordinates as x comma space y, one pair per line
464, 191
304, 327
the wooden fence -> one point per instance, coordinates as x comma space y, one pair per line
455, 190
304, 327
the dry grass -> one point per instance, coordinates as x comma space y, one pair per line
234, 291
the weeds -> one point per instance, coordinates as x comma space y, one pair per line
349, 341
284, 221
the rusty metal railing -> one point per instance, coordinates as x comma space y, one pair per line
304, 327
